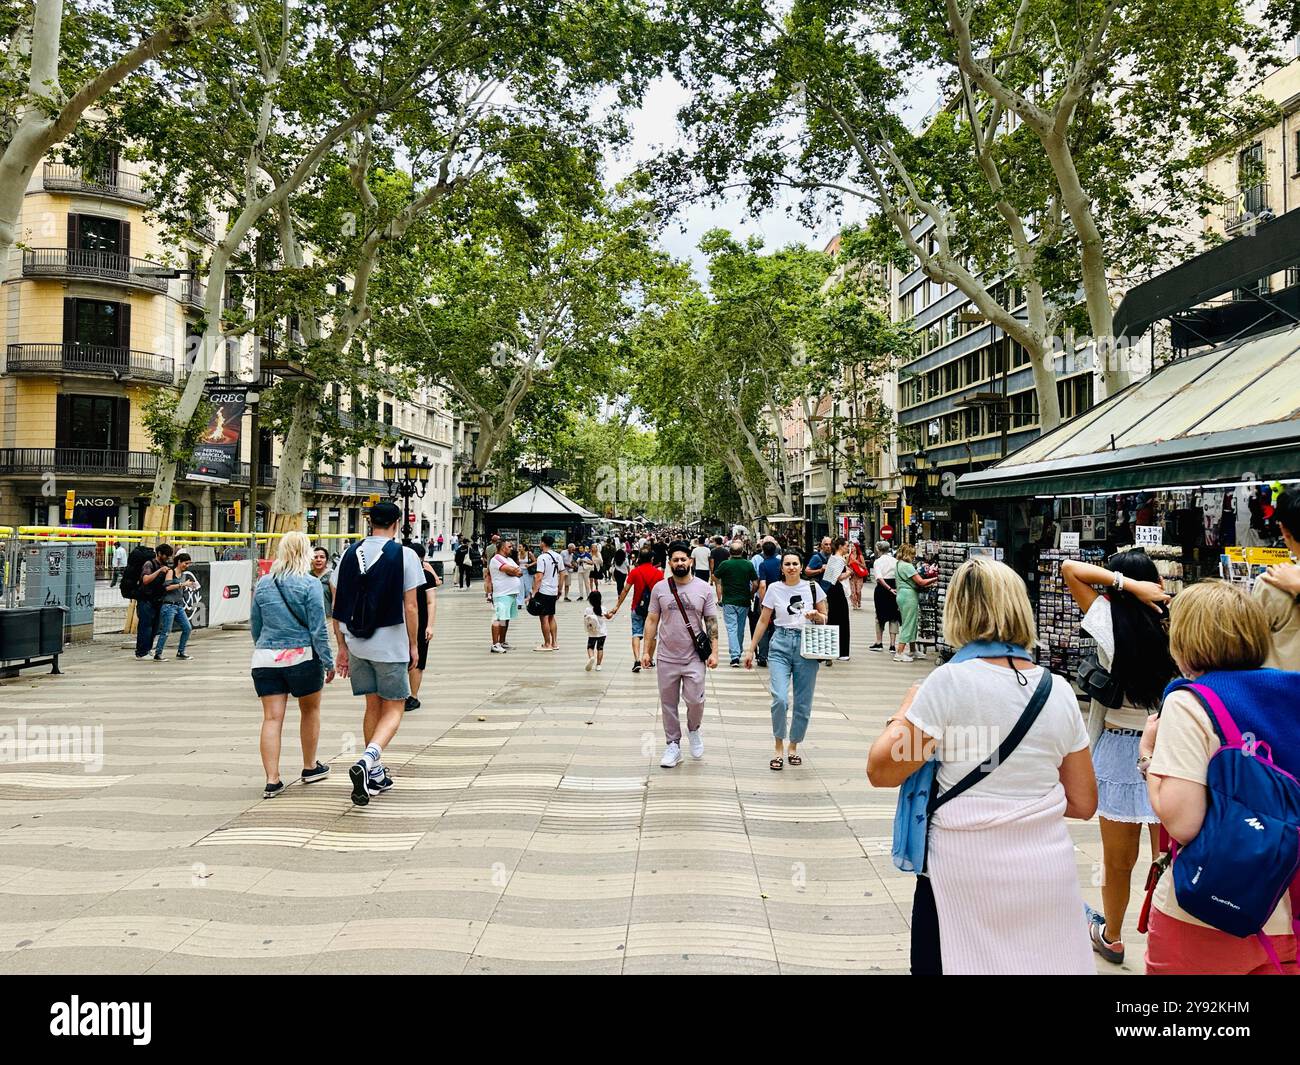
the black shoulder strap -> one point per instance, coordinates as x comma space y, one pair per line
1036, 703
672, 585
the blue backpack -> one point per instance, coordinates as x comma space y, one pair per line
1246, 855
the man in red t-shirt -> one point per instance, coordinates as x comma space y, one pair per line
644, 576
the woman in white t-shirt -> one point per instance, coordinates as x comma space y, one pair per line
1129, 626
788, 605
1000, 863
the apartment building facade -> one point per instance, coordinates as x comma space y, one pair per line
91, 332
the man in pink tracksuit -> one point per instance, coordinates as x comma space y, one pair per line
668, 639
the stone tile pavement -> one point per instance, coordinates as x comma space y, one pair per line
531, 828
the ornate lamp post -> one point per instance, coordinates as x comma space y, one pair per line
859, 490
473, 494
919, 477
406, 477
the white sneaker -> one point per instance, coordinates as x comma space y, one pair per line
697, 743
672, 755
599, 668
497, 649
904, 658
591, 664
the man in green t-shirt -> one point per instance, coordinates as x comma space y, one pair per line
734, 581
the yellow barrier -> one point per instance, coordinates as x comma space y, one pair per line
188, 536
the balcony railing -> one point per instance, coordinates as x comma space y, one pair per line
331, 483
92, 265
90, 461
1251, 205
107, 182
206, 229
195, 292
125, 364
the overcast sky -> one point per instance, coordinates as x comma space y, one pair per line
655, 127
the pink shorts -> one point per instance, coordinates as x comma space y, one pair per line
1176, 948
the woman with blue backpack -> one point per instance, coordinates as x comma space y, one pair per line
1124, 614
999, 751
1221, 760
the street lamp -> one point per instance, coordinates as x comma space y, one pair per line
406, 477
472, 494
859, 490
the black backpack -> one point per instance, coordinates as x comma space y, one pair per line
130, 583
642, 608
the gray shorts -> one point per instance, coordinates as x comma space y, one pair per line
388, 680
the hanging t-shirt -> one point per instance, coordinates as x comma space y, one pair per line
789, 602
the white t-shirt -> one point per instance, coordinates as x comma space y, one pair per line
1100, 625
789, 602
389, 643
548, 565
883, 568
595, 624
835, 565
566, 557
971, 707
700, 557
503, 583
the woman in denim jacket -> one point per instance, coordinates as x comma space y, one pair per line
291, 656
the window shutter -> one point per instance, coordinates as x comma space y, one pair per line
74, 232
62, 420
121, 424
126, 239
124, 325
69, 322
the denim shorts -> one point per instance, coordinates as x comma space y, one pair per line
638, 624
388, 680
305, 678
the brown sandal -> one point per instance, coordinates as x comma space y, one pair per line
794, 759
775, 763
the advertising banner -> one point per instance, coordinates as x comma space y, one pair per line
229, 592
216, 458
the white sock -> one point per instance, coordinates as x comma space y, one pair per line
371, 756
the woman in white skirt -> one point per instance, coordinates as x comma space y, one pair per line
1001, 863
1130, 627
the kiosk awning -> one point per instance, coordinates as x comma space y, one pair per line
1226, 415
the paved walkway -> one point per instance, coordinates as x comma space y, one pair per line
531, 828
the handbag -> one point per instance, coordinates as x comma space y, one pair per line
859, 570
703, 643
821, 642
918, 797
1097, 683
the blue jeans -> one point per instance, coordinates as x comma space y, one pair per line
735, 617
146, 624
172, 612
784, 663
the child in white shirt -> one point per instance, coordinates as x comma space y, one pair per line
597, 629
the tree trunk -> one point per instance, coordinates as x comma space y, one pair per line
286, 501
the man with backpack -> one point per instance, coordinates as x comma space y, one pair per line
644, 576
376, 622
144, 581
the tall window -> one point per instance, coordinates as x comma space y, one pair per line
99, 323
1251, 186
96, 423
88, 232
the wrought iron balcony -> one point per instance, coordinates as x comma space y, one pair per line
93, 266
195, 292
107, 182
124, 364
1250, 206
89, 461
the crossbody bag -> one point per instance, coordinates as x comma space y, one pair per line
283, 658
701, 640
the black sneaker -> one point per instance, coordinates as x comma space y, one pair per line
412, 703
157, 658
762, 662
876, 647
360, 793
735, 663
378, 787
636, 667
317, 772
183, 657
272, 790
